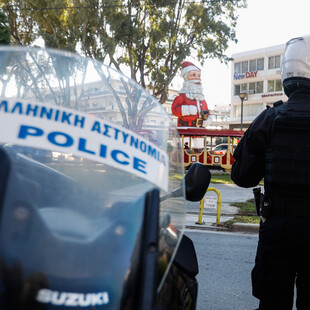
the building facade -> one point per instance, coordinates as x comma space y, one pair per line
257, 74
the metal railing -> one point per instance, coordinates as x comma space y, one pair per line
219, 205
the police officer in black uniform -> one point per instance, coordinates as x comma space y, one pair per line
276, 147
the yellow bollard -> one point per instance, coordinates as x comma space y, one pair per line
200, 212
219, 205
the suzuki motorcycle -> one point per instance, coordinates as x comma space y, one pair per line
92, 210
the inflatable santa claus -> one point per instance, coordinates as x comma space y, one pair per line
190, 106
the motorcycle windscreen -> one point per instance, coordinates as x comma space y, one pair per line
63, 240
81, 145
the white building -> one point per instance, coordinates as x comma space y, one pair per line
256, 73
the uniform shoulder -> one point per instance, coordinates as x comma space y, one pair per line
277, 103
276, 107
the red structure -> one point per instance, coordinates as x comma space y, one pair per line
207, 142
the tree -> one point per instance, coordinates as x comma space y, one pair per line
5, 37
151, 38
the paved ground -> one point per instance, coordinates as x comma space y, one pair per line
229, 193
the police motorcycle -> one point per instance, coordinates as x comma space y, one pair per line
91, 209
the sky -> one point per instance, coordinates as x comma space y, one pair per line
262, 24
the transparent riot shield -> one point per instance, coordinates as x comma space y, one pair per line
82, 148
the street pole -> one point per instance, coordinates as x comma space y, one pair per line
242, 97
241, 126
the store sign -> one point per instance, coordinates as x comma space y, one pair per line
272, 94
245, 75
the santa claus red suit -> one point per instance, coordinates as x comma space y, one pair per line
190, 106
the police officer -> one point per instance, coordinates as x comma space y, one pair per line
276, 147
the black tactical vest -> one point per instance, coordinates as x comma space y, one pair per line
287, 170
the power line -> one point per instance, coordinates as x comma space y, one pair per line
104, 6
57, 8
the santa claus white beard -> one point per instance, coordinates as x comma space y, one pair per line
192, 91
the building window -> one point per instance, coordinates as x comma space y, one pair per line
251, 88
236, 90
241, 67
256, 87
274, 85
237, 68
270, 87
252, 109
248, 110
240, 88
253, 65
246, 66
274, 62
278, 85
257, 64
260, 64
260, 87
244, 88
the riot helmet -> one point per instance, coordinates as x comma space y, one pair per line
295, 66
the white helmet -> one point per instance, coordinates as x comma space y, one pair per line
295, 66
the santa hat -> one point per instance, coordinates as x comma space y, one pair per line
187, 66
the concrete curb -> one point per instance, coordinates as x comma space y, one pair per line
245, 227
207, 227
209, 223
236, 227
